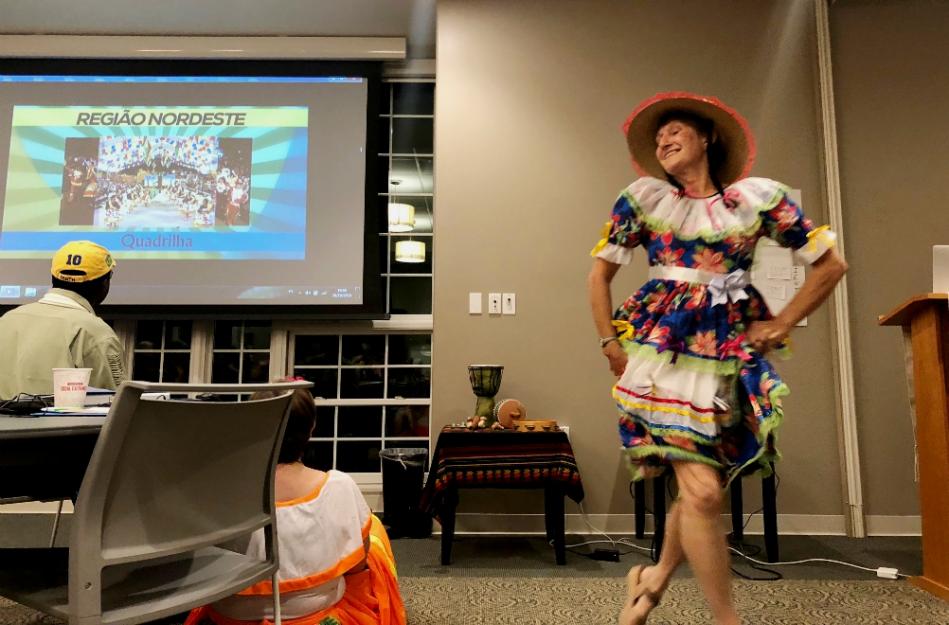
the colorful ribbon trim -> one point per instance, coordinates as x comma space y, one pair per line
624, 330
822, 236
604, 241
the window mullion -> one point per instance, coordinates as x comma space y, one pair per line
161, 352
202, 336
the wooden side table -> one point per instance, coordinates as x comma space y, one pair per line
502, 459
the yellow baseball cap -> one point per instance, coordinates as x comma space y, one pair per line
81, 261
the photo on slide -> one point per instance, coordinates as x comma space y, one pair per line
138, 182
80, 184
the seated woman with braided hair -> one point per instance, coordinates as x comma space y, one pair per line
336, 564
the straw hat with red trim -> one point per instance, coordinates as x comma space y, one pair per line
730, 128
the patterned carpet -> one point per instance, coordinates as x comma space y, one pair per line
535, 601
595, 601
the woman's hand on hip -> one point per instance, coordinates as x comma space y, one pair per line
764, 336
615, 353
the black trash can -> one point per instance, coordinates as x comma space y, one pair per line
403, 470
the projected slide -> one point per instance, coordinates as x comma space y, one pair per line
224, 183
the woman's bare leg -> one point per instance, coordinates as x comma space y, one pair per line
655, 578
701, 537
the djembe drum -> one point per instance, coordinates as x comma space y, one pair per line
485, 382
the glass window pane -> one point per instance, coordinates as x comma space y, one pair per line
145, 367
383, 253
177, 335
325, 419
256, 367
412, 134
410, 349
148, 335
225, 368
364, 349
358, 456
176, 367
410, 382
324, 381
410, 296
407, 421
400, 266
257, 336
422, 214
412, 174
360, 383
381, 223
227, 335
360, 422
416, 98
316, 350
319, 455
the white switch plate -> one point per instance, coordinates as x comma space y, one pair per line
474, 303
494, 303
508, 303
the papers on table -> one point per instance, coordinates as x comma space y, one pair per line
89, 411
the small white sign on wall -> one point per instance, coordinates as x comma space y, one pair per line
774, 273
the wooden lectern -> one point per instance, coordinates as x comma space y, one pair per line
925, 321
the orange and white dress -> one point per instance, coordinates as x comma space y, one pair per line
321, 536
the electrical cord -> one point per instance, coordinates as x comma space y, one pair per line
586, 520
808, 561
740, 548
748, 551
24, 405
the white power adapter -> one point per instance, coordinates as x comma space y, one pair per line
888, 573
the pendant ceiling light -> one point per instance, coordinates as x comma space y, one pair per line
410, 251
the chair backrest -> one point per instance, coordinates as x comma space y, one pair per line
170, 476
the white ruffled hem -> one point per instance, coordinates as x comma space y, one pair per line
664, 395
616, 254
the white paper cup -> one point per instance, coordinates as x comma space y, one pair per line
69, 387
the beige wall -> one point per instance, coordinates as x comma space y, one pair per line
531, 95
892, 86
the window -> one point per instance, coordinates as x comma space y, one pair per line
409, 163
240, 352
162, 351
373, 392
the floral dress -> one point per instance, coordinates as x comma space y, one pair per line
693, 388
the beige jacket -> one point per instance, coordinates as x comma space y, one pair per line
59, 330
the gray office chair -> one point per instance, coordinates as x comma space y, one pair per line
169, 483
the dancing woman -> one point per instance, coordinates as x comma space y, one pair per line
694, 389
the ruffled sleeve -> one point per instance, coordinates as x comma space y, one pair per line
622, 232
783, 221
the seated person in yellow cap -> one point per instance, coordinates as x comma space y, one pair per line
62, 329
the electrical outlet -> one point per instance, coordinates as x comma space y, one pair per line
508, 303
494, 303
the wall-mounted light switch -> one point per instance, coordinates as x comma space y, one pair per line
474, 303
